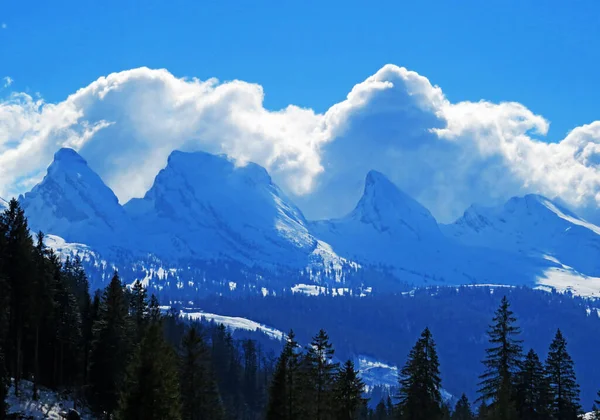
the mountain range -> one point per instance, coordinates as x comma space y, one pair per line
205, 211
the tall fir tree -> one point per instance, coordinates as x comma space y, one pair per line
420, 382
138, 305
151, 386
283, 398
532, 390
462, 409
4, 382
20, 272
501, 364
319, 372
110, 348
199, 393
347, 391
564, 390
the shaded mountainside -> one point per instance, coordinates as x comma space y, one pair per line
208, 224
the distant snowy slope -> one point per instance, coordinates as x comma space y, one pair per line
389, 229
532, 225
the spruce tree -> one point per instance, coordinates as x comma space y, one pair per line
501, 364
532, 391
347, 391
564, 390
420, 382
462, 410
138, 305
19, 270
110, 348
199, 393
380, 411
151, 387
318, 376
283, 399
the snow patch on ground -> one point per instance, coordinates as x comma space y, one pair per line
568, 280
235, 323
48, 406
315, 290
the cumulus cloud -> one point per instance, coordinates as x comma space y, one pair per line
7, 81
447, 155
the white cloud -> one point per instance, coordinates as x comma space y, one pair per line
446, 155
7, 81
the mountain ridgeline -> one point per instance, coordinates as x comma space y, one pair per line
208, 225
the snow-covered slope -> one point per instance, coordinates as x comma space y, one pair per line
204, 211
532, 225
74, 203
204, 206
390, 229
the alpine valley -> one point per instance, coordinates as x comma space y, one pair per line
220, 242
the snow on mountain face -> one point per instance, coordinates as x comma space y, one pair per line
388, 209
215, 208
390, 229
532, 225
73, 202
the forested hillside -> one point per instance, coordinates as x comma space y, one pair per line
118, 355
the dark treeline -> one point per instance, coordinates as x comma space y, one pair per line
385, 326
121, 357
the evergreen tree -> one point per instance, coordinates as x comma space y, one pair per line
420, 382
502, 364
319, 373
19, 270
283, 400
564, 390
532, 398
462, 410
199, 394
348, 389
138, 305
151, 388
110, 348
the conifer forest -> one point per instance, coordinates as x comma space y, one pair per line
119, 354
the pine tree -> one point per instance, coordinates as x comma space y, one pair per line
151, 388
319, 373
199, 393
501, 363
283, 400
420, 382
348, 389
564, 390
110, 348
138, 305
19, 269
462, 410
532, 398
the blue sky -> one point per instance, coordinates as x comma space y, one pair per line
544, 55
448, 147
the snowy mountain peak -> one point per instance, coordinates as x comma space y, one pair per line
207, 199
387, 208
532, 225
72, 201
68, 156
